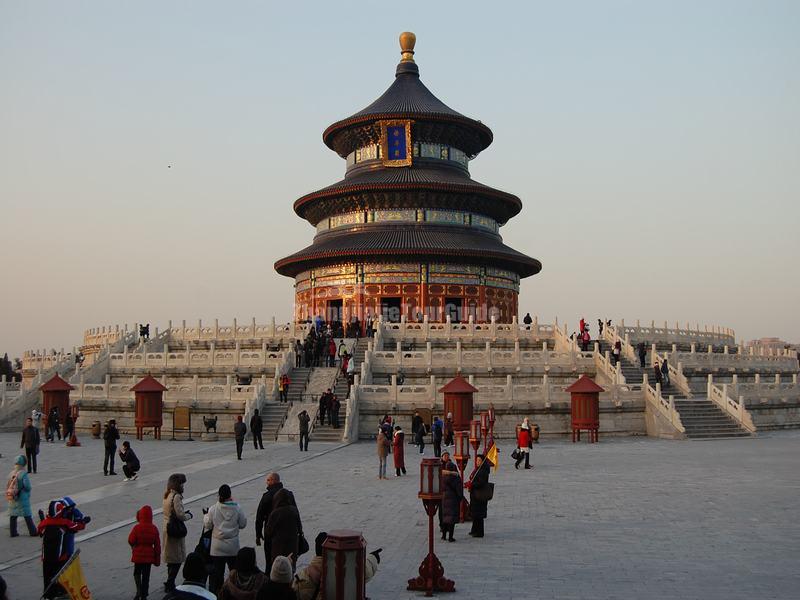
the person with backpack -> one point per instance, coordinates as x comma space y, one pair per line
57, 531
110, 437
30, 441
18, 495
130, 461
145, 550
224, 519
174, 530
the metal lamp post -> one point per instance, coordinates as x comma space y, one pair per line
431, 572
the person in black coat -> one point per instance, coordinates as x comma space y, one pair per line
283, 527
274, 485
110, 437
30, 441
416, 423
256, 426
478, 487
131, 464
453, 494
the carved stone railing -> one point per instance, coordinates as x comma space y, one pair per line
780, 388
735, 409
664, 408
605, 365
459, 359
448, 331
237, 331
740, 360
186, 358
673, 335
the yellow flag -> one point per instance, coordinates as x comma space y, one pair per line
72, 580
491, 456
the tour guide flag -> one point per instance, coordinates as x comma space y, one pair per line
72, 580
491, 456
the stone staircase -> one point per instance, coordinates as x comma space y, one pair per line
326, 433
702, 419
631, 371
298, 379
273, 414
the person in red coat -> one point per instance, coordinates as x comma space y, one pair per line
145, 542
398, 442
524, 444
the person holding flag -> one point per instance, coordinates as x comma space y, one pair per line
481, 490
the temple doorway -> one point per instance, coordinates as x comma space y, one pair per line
391, 309
333, 311
453, 308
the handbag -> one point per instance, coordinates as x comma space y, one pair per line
484, 494
302, 544
175, 527
515, 454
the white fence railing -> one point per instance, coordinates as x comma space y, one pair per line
735, 409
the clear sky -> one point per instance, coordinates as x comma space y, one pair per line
655, 146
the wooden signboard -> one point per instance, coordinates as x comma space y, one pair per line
182, 420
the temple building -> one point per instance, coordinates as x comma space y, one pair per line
407, 232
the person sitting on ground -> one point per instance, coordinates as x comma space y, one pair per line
245, 580
130, 462
192, 588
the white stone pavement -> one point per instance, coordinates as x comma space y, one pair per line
626, 518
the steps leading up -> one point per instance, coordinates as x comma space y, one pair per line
702, 419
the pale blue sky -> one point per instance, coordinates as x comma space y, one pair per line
655, 146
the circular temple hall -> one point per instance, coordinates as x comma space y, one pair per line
407, 232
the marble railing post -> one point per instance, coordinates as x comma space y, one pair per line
195, 387
428, 356
237, 359
458, 356
488, 356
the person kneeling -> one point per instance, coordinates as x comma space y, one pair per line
130, 461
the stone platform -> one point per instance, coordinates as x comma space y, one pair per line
625, 518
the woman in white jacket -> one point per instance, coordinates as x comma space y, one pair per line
224, 520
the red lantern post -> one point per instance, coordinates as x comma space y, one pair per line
431, 572
461, 456
485, 429
585, 401
475, 434
344, 556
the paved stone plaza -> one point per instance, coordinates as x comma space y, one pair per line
627, 518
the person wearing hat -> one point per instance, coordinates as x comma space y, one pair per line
18, 494
193, 586
110, 437
224, 520
451, 501
245, 580
281, 576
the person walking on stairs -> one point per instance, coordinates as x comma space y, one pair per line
641, 350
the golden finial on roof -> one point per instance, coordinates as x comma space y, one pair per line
407, 41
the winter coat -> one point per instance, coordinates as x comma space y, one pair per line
479, 481
144, 539
524, 438
110, 437
130, 459
239, 430
190, 591
451, 502
225, 519
174, 548
241, 586
283, 526
265, 507
21, 505
383, 445
277, 591
307, 583
30, 438
398, 450
304, 420
437, 430
256, 424
416, 423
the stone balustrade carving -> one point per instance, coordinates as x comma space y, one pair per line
734, 408
197, 359
672, 335
427, 331
237, 331
709, 360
